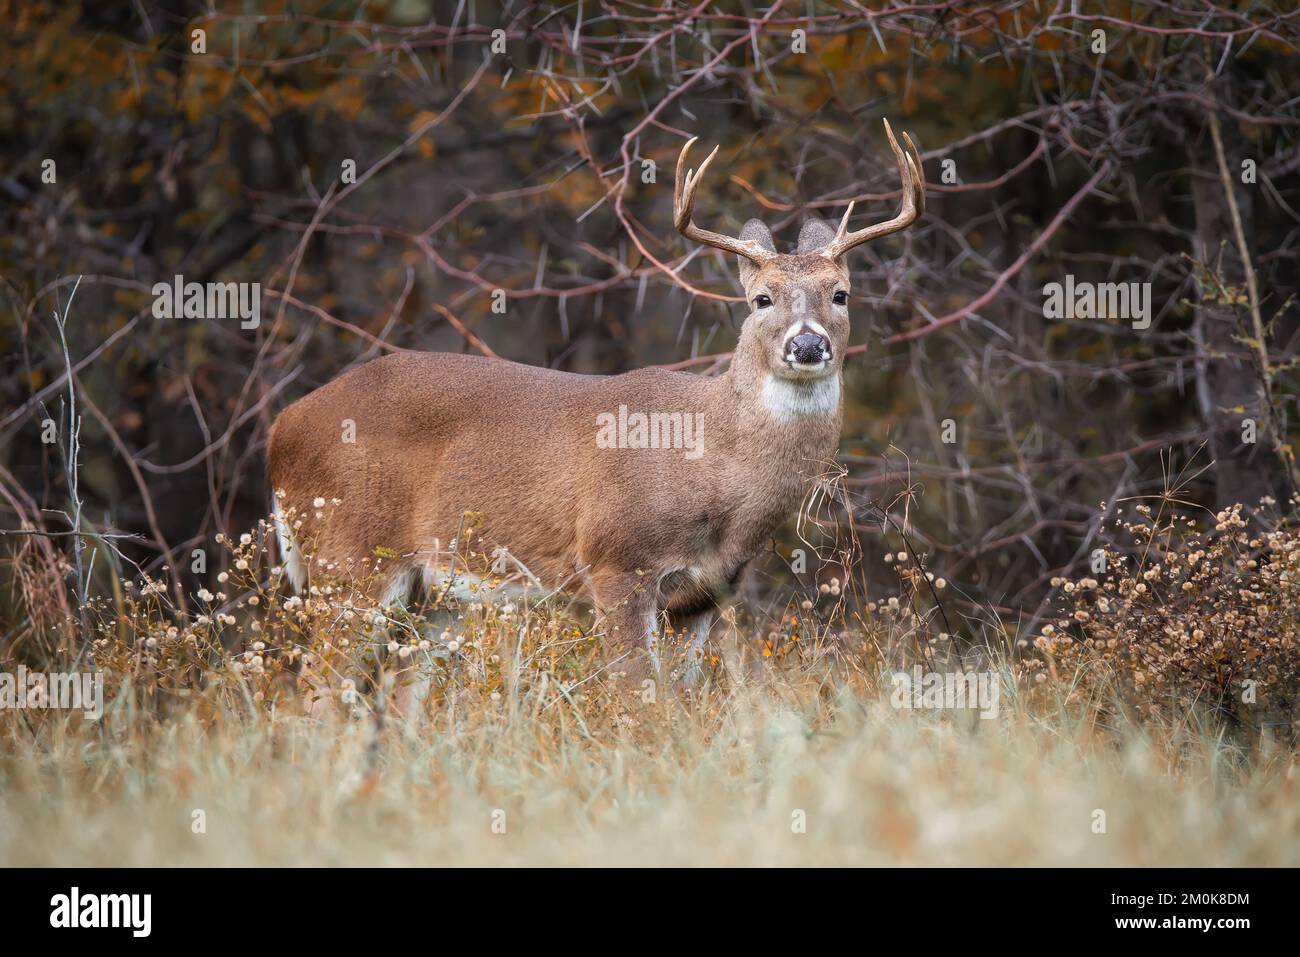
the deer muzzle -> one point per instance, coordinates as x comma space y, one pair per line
808, 349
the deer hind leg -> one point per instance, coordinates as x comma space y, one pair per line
337, 676
413, 677
408, 674
410, 682
338, 668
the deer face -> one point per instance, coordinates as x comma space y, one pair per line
799, 303
799, 313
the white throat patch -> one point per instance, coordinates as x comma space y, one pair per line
788, 399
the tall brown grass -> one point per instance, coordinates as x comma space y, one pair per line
1121, 737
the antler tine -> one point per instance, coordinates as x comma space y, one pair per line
684, 207
913, 204
684, 188
918, 173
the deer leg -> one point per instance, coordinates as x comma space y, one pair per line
330, 678
410, 682
414, 677
314, 686
689, 661
371, 668
628, 607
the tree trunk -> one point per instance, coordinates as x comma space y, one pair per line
1229, 389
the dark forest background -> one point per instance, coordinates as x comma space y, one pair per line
127, 158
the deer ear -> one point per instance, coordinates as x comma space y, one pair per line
757, 232
815, 234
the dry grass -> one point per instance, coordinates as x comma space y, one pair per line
526, 755
717, 785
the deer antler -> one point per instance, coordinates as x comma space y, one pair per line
909, 168
684, 205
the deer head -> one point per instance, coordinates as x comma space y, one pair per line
798, 326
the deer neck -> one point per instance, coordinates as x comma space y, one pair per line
788, 429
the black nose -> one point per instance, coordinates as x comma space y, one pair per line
810, 347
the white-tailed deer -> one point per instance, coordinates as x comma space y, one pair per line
648, 492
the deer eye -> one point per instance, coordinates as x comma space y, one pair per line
840, 298
762, 302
